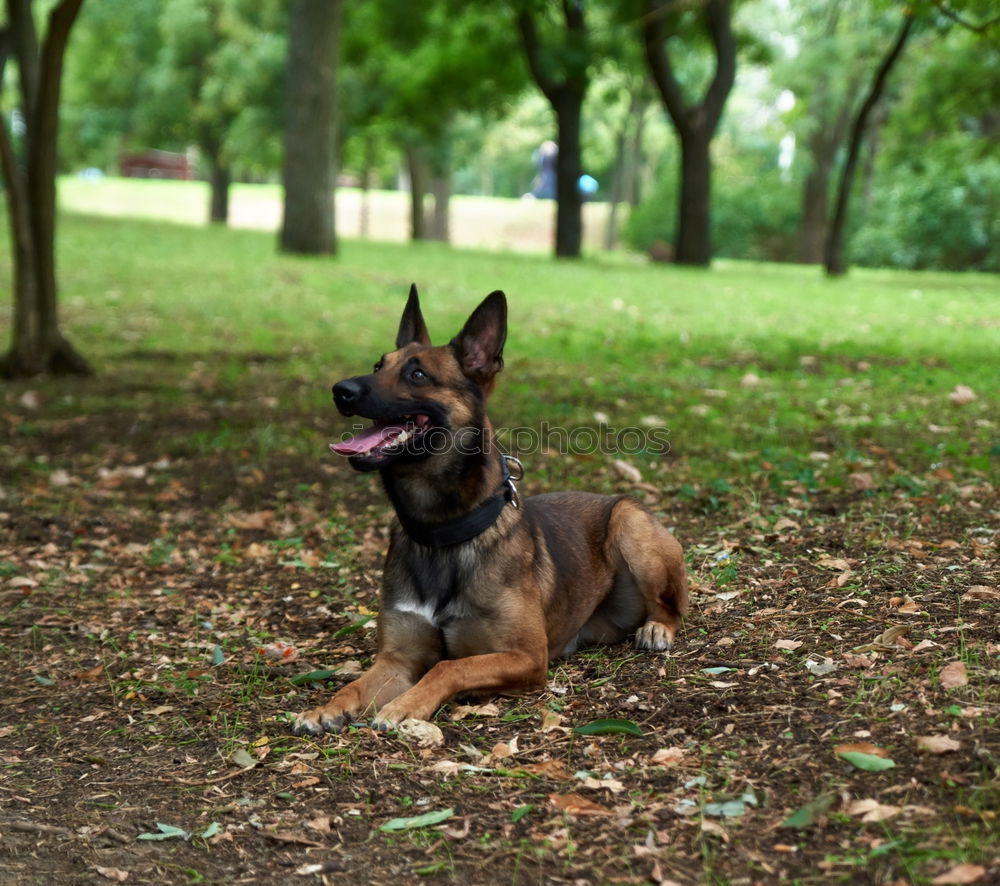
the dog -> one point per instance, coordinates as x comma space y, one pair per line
480, 590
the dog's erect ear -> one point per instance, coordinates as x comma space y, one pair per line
411, 327
479, 346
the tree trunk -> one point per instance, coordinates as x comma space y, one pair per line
219, 178
37, 343
440, 188
364, 222
812, 227
566, 96
833, 258
417, 171
695, 124
569, 168
617, 187
694, 235
307, 169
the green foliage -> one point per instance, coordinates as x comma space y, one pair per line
754, 212
946, 216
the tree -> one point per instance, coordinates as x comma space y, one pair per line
410, 71
559, 66
695, 123
37, 344
307, 171
833, 253
216, 74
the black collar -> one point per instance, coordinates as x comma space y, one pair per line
468, 526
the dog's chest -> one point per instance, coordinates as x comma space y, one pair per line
434, 585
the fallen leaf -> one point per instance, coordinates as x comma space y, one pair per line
417, 821
668, 757
460, 712
981, 592
790, 645
425, 734
937, 744
821, 668
809, 814
711, 827
961, 873
116, 874
574, 804
954, 675
961, 395
320, 823
625, 471
609, 726
550, 720
872, 810
861, 480
861, 747
554, 769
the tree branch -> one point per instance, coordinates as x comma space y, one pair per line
533, 53
721, 29
982, 29
654, 41
24, 43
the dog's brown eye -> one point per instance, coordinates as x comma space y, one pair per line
418, 375
377, 366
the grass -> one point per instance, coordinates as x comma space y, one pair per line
183, 501
749, 364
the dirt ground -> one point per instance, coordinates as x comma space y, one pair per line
166, 600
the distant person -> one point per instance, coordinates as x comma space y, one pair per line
544, 185
587, 185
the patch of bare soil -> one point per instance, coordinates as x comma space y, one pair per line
164, 604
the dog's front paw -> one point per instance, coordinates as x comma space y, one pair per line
320, 720
654, 635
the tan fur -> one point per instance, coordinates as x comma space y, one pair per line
488, 614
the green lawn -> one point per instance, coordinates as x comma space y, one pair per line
746, 363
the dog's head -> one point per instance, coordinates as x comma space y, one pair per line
424, 400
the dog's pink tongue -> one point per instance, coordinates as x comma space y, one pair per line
367, 440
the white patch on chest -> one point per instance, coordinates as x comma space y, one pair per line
424, 610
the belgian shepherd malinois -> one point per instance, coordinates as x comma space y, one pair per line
481, 590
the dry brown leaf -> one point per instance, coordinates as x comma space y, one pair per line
625, 471
425, 734
954, 675
554, 769
713, 827
838, 563
785, 524
981, 592
961, 395
872, 810
257, 520
861, 480
550, 720
787, 644
574, 804
937, 744
861, 747
960, 874
306, 782
320, 823
668, 757
116, 874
